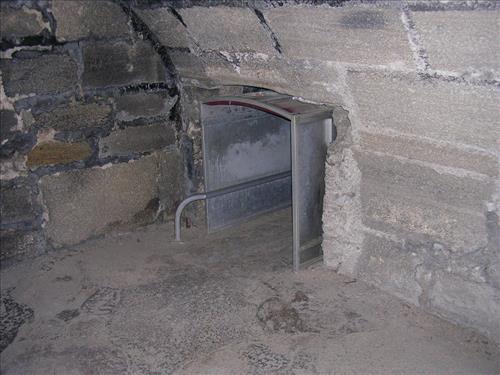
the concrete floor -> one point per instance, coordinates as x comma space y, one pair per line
225, 303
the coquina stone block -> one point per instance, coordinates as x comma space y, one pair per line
41, 75
89, 202
84, 19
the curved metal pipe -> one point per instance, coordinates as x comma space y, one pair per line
179, 210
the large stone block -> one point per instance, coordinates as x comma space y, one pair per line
55, 152
138, 105
460, 40
189, 65
444, 111
227, 29
473, 304
120, 63
416, 148
351, 34
398, 213
89, 202
16, 23
409, 199
135, 139
168, 29
82, 19
75, 116
425, 183
314, 81
17, 205
41, 75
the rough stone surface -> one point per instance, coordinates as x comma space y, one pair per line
318, 81
137, 105
444, 111
19, 23
468, 40
227, 29
417, 215
137, 139
342, 237
8, 123
404, 197
120, 64
141, 303
13, 137
13, 315
83, 19
357, 35
8, 120
46, 74
19, 244
75, 116
188, 65
55, 152
469, 194
469, 302
391, 267
17, 204
168, 29
86, 203
394, 211
417, 148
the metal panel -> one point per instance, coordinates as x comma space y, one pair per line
243, 144
249, 143
238, 206
310, 137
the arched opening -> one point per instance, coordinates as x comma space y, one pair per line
263, 151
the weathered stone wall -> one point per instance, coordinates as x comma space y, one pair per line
89, 136
98, 132
412, 195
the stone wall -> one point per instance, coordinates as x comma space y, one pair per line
100, 127
89, 130
412, 195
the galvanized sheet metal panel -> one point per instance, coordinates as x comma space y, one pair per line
310, 138
263, 134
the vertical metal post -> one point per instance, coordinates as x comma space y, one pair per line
295, 193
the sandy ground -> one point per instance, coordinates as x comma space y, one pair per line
225, 303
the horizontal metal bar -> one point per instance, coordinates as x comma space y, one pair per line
217, 193
248, 184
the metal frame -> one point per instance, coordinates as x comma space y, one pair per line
313, 116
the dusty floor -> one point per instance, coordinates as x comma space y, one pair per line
226, 303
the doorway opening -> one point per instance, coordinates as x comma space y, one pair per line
263, 151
